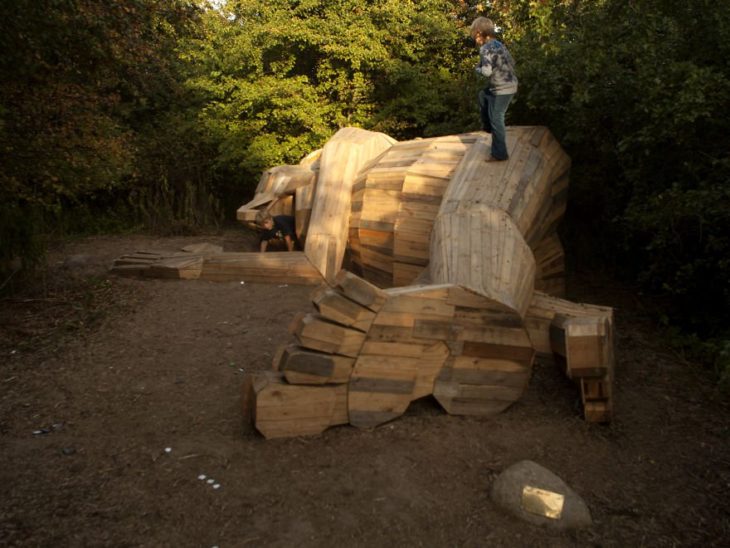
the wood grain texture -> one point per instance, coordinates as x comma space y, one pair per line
282, 268
342, 157
278, 409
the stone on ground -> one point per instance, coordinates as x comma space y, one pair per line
546, 495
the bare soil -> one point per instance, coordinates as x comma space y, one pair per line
100, 375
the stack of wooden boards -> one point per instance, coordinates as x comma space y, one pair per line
367, 353
185, 264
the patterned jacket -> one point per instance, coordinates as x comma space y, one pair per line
496, 63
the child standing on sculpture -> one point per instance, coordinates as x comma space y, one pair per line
496, 63
280, 227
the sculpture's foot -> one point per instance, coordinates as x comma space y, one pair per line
584, 348
579, 337
368, 353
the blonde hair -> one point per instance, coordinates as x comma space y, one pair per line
262, 216
481, 26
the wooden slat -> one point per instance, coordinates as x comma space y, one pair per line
360, 291
302, 366
481, 250
316, 333
181, 268
336, 307
286, 267
278, 409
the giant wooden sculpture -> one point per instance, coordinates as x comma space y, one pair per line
453, 287
451, 250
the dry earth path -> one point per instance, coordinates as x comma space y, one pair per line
100, 375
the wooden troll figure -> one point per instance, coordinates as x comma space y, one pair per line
443, 275
452, 288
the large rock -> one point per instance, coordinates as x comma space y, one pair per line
536, 495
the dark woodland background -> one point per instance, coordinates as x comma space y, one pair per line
161, 115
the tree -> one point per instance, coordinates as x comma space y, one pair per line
281, 77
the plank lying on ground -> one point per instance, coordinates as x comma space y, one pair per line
178, 268
284, 267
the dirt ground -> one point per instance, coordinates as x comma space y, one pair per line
100, 375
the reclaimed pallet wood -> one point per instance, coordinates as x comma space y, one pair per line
317, 333
579, 338
179, 268
281, 268
394, 203
458, 266
342, 157
303, 366
278, 409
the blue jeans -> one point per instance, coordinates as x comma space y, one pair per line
492, 109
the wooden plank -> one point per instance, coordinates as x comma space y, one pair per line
338, 308
180, 268
288, 268
302, 366
360, 290
316, 333
280, 410
459, 398
426, 359
493, 372
376, 238
380, 389
405, 310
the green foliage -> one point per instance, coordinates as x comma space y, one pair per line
280, 78
86, 92
641, 103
